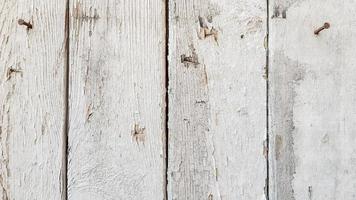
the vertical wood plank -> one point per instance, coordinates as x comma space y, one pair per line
217, 99
117, 100
32, 104
312, 99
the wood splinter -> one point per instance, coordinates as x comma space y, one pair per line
23, 22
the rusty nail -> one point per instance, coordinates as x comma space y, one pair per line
325, 26
22, 22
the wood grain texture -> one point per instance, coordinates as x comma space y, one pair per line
312, 100
217, 99
117, 93
32, 103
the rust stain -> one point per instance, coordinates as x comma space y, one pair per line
92, 15
44, 124
189, 59
254, 24
192, 59
279, 145
138, 134
11, 72
265, 149
77, 10
205, 30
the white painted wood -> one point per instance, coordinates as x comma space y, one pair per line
312, 100
117, 100
217, 99
32, 104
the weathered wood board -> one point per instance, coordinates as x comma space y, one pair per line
32, 99
117, 100
217, 99
312, 100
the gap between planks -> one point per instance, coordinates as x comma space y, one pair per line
166, 98
267, 101
64, 171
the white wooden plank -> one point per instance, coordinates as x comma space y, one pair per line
117, 100
312, 99
217, 99
32, 100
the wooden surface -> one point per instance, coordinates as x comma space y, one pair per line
117, 100
312, 100
217, 99
32, 103
244, 99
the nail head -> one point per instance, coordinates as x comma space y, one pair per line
326, 25
21, 22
